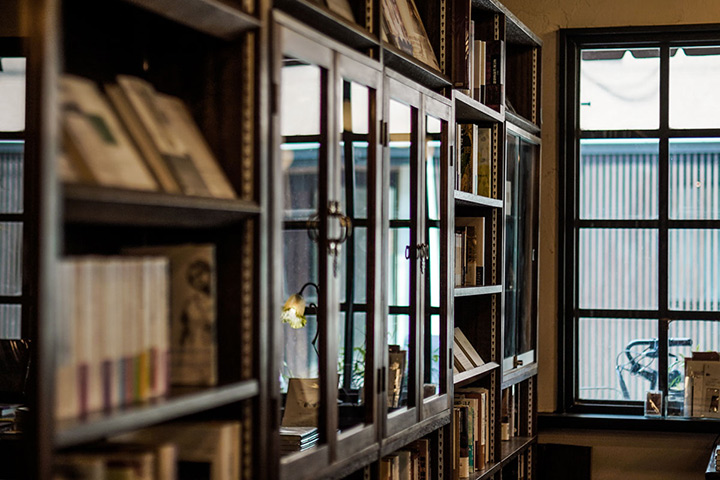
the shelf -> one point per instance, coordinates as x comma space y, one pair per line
419, 430
208, 16
329, 23
469, 110
110, 206
509, 450
471, 200
515, 31
414, 69
464, 378
518, 375
475, 291
522, 123
181, 402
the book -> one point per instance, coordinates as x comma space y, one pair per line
467, 152
393, 27
470, 242
342, 8
419, 41
97, 148
396, 374
193, 342
482, 429
212, 447
484, 161
182, 125
463, 344
302, 403
420, 450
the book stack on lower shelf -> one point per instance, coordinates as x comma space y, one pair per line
471, 427
297, 439
195, 450
409, 463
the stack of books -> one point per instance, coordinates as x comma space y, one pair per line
297, 439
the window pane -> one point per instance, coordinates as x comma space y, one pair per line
359, 238
685, 337
695, 179
694, 96
301, 259
434, 266
400, 121
351, 360
360, 178
398, 336
620, 89
694, 270
300, 168
432, 356
12, 94
618, 268
300, 100
399, 269
11, 177
618, 179
10, 321
433, 149
617, 358
11, 261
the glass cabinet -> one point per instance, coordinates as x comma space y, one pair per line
521, 237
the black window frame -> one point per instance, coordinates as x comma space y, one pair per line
571, 42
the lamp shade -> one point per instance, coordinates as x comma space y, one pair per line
293, 312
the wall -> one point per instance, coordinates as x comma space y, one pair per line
616, 455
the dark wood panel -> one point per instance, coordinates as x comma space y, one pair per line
109, 206
208, 16
180, 402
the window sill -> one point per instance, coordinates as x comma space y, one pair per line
586, 421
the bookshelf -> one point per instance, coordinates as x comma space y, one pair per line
338, 145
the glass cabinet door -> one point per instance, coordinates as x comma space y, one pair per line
521, 207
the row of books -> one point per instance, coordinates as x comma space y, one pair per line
469, 251
465, 357
133, 325
475, 155
471, 427
409, 463
485, 76
194, 450
131, 136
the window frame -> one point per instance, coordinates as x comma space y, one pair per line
571, 42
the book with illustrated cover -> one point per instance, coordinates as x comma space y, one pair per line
467, 152
484, 161
97, 148
193, 342
421, 47
394, 26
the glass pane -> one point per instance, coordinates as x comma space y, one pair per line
399, 268
618, 179
617, 358
695, 179
12, 94
359, 239
620, 89
300, 100
618, 268
520, 212
433, 148
11, 176
694, 96
11, 262
398, 360
434, 266
694, 275
400, 193
300, 182
354, 127
685, 337
360, 150
10, 321
432, 358
352, 348
356, 108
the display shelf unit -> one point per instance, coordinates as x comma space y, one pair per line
380, 156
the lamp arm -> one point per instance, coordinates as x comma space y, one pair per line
309, 284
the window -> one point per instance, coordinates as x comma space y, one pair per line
12, 142
640, 233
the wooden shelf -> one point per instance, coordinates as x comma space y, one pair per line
469, 110
509, 450
419, 430
515, 31
329, 23
111, 206
471, 200
476, 291
463, 378
213, 17
181, 402
518, 375
522, 123
414, 69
